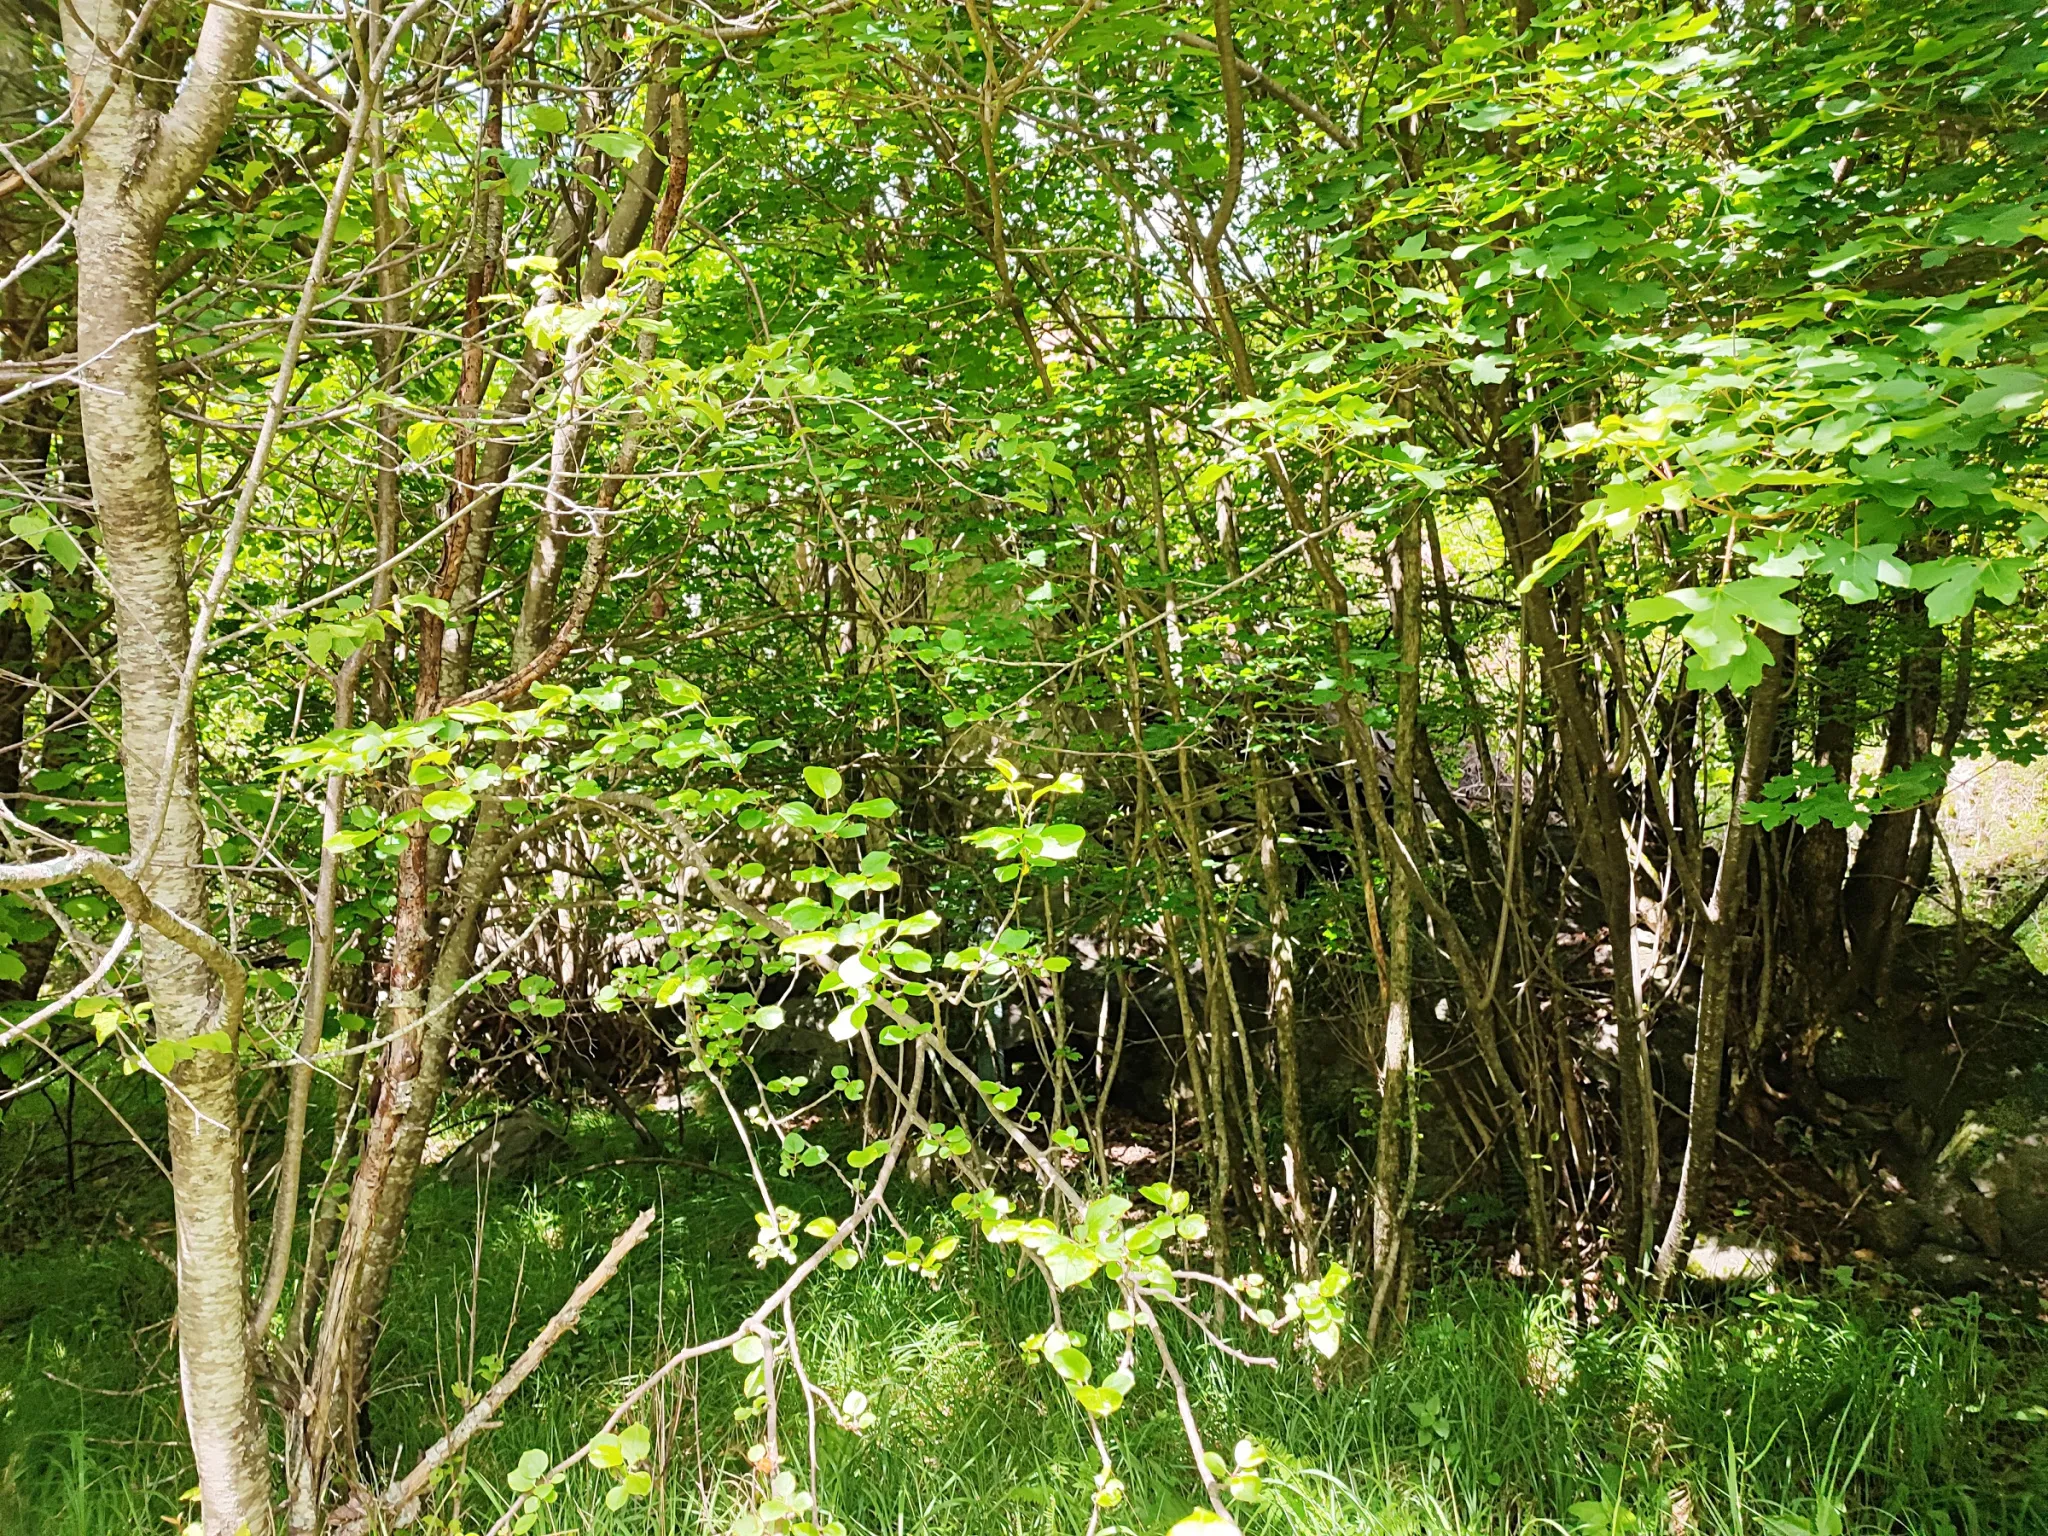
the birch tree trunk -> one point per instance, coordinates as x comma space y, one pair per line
138, 164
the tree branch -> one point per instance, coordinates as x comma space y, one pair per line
414, 1483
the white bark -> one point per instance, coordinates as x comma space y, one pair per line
138, 164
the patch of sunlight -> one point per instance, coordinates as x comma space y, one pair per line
1722, 1263
2033, 941
541, 1225
1548, 1337
1661, 1362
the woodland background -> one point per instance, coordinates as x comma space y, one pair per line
1267, 766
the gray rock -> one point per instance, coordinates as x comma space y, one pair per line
510, 1150
1893, 1228
1720, 1262
2014, 1181
1943, 1225
1946, 1270
1979, 1217
1988, 1187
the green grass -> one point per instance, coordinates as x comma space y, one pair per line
1496, 1414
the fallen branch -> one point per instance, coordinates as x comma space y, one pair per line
401, 1495
867, 1206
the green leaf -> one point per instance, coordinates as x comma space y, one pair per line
1953, 583
1951, 340
448, 804
1102, 1401
61, 547
1856, 572
2005, 224
1488, 117
1070, 1264
825, 783
423, 440
619, 145
2005, 392
1717, 627
1061, 840
1762, 598
36, 607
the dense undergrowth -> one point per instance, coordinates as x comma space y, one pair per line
1765, 1412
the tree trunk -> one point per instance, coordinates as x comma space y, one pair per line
1280, 1010
1726, 911
1593, 807
138, 164
1881, 878
142, 554
1389, 1201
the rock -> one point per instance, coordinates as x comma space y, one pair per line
511, 1149
1893, 1228
1946, 1270
2014, 1181
1853, 1062
1943, 1225
1916, 1134
1988, 1187
1979, 1217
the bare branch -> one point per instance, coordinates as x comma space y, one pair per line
407, 1489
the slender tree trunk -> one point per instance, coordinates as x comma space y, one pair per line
1280, 1010
1881, 877
138, 164
1389, 1206
1726, 911
1592, 802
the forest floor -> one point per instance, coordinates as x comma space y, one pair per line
1842, 1404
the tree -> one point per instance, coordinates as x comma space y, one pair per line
619, 525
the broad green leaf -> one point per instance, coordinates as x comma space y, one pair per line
1061, 840
619, 145
447, 804
1856, 572
2006, 391
1717, 628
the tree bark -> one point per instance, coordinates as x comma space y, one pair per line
1280, 1010
1726, 911
138, 163
1389, 1205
